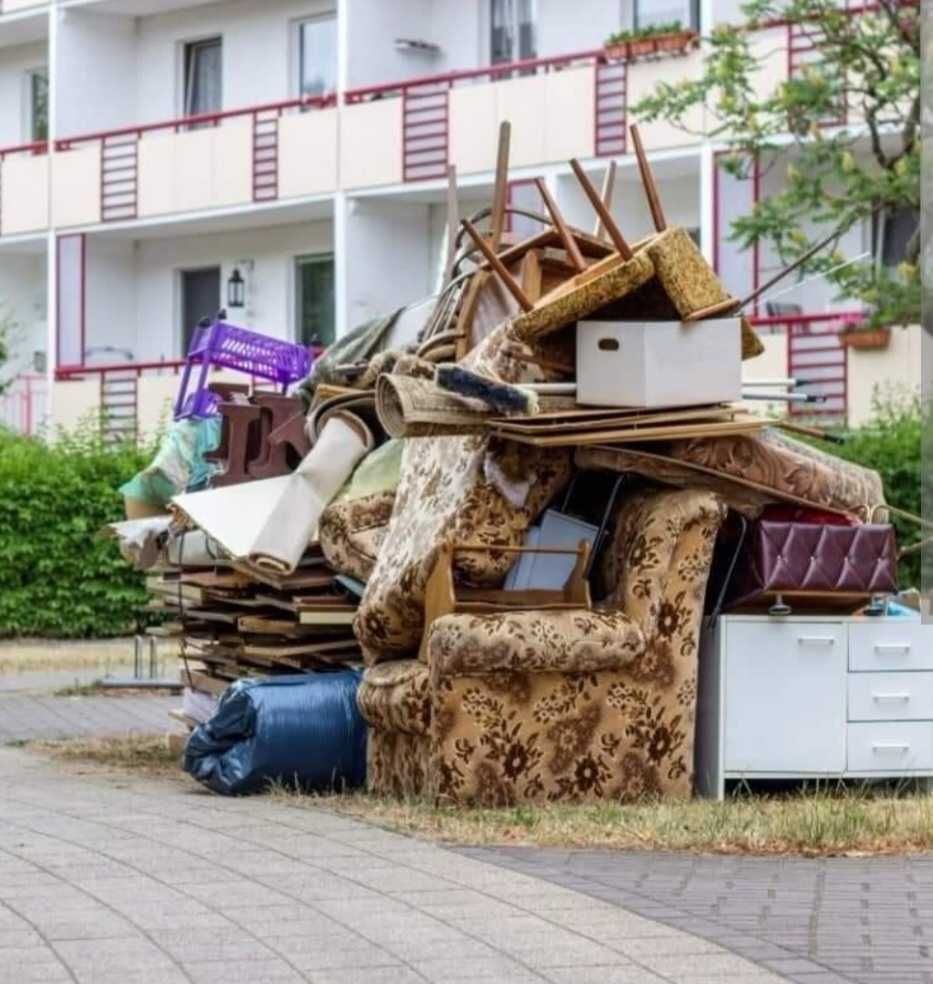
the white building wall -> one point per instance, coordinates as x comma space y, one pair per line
258, 53
15, 63
270, 284
578, 26
893, 373
96, 71
373, 26
388, 257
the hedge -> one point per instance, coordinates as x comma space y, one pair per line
57, 577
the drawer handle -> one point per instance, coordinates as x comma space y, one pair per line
900, 748
891, 648
816, 640
890, 697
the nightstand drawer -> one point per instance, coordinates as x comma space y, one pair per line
890, 746
890, 696
890, 645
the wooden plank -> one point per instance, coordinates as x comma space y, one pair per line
742, 424
605, 423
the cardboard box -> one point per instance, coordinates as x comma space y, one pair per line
659, 363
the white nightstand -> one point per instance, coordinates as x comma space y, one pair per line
814, 696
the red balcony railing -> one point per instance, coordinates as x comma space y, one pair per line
113, 368
816, 357
23, 403
426, 106
119, 151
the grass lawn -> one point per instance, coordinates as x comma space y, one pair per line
148, 755
816, 821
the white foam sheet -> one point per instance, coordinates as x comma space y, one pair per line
272, 521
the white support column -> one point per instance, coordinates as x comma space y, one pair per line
341, 281
343, 48
51, 261
707, 203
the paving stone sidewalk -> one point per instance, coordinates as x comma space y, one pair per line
817, 921
31, 716
131, 881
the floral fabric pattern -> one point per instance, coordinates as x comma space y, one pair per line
351, 532
443, 497
505, 730
570, 640
397, 763
793, 469
394, 696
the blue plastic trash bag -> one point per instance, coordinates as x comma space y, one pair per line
304, 731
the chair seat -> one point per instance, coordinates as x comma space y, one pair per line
575, 640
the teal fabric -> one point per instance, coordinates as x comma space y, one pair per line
179, 464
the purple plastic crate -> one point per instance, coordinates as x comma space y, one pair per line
231, 347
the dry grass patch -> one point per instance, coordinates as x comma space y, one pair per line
830, 822
147, 755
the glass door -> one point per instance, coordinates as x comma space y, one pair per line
314, 300
200, 298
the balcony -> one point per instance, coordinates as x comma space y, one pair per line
213, 161
24, 183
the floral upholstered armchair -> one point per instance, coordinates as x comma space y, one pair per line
559, 705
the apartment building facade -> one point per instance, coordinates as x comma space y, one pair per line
286, 160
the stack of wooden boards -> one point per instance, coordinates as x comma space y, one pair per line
235, 622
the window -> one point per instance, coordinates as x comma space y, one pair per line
648, 13
200, 298
892, 233
317, 55
37, 100
203, 77
314, 299
512, 31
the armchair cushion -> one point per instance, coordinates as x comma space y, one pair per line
560, 641
394, 696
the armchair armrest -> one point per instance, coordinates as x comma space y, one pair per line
572, 640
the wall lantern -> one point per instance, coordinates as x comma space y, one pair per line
236, 289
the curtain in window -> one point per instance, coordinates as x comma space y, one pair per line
203, 78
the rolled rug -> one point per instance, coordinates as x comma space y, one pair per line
343, 441
270, 522
410, 407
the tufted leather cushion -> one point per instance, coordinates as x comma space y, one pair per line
783, 556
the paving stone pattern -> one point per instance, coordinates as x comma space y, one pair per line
28, 716
816, 921
140, 881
